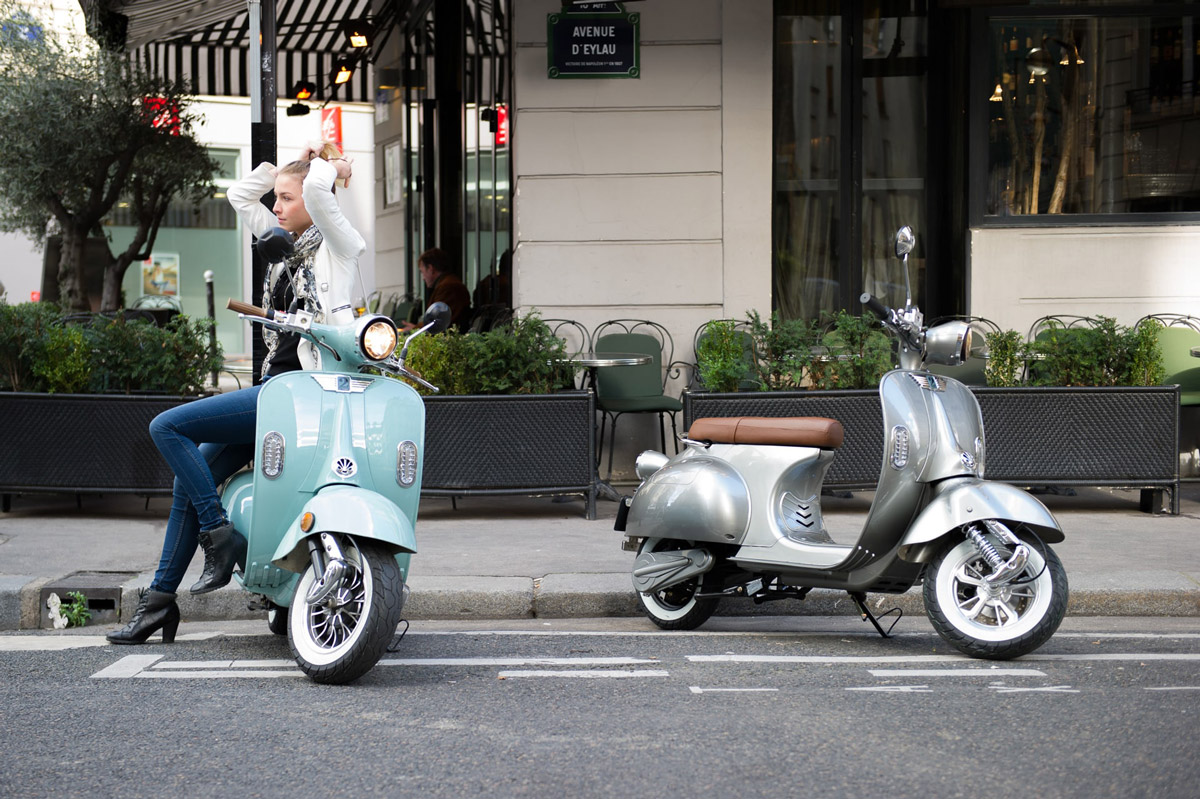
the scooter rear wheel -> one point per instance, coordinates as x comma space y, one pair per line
1001, 623
677, 607
342, 637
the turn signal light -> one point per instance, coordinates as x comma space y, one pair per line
306, 522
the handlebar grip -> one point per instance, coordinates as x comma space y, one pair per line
246, 308
875, 306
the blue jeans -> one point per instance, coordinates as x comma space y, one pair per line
204, 442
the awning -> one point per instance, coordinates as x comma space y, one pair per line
206, 41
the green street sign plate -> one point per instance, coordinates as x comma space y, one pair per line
599, 40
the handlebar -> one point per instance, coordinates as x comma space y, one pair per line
875, 306
247, 308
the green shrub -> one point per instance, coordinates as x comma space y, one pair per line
1005, 358
24, 329
42, 353
1104, 354
858, 353
523, 357
722, 360
783, 350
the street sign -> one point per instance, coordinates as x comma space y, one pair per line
593, 40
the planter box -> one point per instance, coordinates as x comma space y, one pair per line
1125, 437
512, 444
81, 443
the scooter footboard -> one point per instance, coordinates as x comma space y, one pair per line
963, 500
351, 510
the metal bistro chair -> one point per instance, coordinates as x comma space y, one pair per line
634, 389
577, 342
1043, 327
1176, 338
971, 371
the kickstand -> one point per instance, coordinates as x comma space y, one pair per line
860, 599
394, 646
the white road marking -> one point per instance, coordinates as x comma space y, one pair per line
696, 689
826, 659
225, 664
1117, 656
126, 667
896, 689
585, 673
1048, 689
499, 662
956, 673
1176, 688
217, 673
38, 643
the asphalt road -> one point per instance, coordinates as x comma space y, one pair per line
772, 707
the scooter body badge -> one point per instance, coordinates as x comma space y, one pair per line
345, 467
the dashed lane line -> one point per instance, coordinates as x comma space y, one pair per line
587, 674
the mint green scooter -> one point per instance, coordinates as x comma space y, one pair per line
329, 505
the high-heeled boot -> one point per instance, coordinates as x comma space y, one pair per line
223, 547
156, 610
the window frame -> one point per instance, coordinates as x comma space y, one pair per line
980, 84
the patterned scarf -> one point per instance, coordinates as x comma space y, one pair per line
304, 284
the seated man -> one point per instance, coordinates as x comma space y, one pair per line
443, 286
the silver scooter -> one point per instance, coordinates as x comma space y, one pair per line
738, 512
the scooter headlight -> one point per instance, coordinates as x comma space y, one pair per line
378, 338
948, 344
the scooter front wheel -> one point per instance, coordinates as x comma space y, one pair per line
995, 622
341, 637
677, 607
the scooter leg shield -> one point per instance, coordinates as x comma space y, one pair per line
351, 510
963, 500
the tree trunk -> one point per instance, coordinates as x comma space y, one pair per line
72, 279
114, 275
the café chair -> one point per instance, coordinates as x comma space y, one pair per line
576, 340
634, 389
1176, 338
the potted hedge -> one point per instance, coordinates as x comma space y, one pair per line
1087, 411
77, 394
508, 419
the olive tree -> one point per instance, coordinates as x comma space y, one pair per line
82, 128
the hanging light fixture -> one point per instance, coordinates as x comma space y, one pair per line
343, 70
358, 32
997, 95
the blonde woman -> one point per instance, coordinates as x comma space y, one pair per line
208, 440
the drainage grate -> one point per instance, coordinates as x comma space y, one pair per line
102, 589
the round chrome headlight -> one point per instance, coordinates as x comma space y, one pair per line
948, 344
378, 338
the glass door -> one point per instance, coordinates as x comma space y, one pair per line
850, 151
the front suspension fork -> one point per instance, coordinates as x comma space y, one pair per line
1002, 570
327, 561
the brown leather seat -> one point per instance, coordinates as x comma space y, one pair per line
787, 431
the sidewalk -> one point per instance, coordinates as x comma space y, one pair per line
517, 557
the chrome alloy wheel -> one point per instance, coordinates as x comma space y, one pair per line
1005, 620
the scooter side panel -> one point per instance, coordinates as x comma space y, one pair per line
693, 498
351, 510
962, 500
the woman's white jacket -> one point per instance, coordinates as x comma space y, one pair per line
336, 261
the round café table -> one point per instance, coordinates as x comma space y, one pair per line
593, 361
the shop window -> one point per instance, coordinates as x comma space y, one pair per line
1096, 115
212, 213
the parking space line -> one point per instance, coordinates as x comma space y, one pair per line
585, 673
126, 667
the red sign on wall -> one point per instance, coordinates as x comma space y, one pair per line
501, 125
331, 125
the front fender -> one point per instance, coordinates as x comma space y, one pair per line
968, 499
351, 510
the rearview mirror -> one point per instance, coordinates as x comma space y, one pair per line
439, 314
275, 245
905, 241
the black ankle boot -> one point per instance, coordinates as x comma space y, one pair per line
156, 610
223, 548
